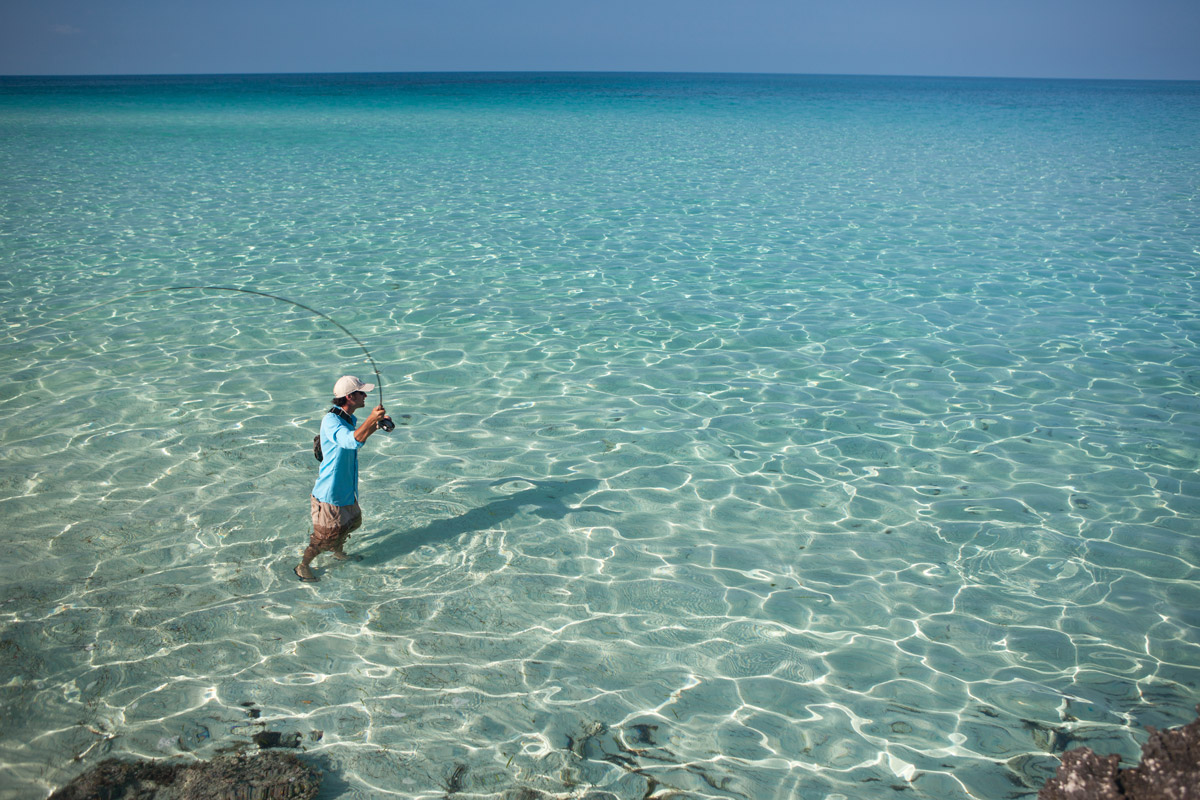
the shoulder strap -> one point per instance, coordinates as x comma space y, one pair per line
342, 415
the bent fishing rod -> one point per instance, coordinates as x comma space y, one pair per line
388, 425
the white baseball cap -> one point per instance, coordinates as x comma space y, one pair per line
348, 383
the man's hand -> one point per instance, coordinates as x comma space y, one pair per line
370, 424
376, 416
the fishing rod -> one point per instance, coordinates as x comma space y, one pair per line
387, 425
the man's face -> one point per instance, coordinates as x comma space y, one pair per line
357, 400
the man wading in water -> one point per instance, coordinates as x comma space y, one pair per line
335, 511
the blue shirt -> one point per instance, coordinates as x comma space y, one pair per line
337, 479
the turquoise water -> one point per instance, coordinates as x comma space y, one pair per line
767, 437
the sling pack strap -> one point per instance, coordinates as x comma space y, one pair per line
344, 417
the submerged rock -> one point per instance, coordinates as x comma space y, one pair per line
1169, 770
269, 776
265, 739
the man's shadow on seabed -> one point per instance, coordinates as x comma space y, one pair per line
545, 496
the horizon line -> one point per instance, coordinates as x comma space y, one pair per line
94, 75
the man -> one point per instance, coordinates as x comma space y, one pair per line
335, 511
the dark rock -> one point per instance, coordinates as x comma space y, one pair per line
265, 739
269, 776
1170, 766
1084, 775
113, 779
525, 793
1169, 770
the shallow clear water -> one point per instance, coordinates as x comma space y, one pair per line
769, 437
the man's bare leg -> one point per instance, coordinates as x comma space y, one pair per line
338, 552
303, 571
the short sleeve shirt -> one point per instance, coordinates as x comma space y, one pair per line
337, 479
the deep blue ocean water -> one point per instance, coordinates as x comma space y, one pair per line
766, 436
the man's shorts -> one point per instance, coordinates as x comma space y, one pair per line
333, 524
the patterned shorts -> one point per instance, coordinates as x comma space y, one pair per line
332, 524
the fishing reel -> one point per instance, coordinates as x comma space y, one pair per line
386, 425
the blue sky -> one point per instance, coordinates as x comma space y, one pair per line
1144, 39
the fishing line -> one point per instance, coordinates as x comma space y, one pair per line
321, 314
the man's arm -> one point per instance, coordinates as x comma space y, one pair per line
370, 424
